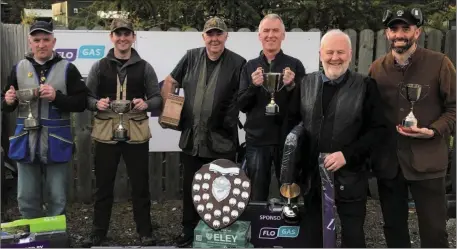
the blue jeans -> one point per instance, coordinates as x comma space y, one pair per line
39, 184
259, 160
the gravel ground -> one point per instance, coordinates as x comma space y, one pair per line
167, 215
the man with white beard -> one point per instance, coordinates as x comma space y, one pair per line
342, 115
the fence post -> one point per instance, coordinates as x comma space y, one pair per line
366, 45
84, 161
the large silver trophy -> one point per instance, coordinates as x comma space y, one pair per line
220, 193
271, 84
412, 93
27, 96
120, 107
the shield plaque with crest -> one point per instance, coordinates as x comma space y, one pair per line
220, 192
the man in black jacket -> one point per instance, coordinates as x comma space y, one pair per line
342, 115
265, 135
210, 78
122, 75
45, 150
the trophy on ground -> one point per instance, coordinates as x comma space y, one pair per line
120, 107
172, 108
220, 193
271, 84
412, 93
289, 189
27, 96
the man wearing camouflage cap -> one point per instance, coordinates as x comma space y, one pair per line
210, 77
122, 75
416, 157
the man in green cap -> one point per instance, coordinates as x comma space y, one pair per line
210, 77
122, 75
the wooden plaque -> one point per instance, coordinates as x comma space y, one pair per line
171, 114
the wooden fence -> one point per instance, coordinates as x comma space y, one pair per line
165, 168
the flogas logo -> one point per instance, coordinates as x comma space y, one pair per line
281, 232
84, 52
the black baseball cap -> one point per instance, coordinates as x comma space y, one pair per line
408, 16
42, 26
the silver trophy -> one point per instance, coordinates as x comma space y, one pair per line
120, 107
290, 212
27, 96
220, 192
271, 84
412, 93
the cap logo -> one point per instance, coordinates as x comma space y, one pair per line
213, 22
400, 13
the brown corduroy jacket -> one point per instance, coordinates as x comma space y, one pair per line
418, 158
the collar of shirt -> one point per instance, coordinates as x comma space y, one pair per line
325, 79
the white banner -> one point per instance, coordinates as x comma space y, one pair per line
164, 49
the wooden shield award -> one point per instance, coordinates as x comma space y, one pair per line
220, 193
171, 113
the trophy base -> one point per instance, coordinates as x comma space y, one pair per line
290, 214
31, 124
271, 110
408, 123
120, 136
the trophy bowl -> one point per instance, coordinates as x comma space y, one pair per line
271, 81
27, 95
121, 106
413, 92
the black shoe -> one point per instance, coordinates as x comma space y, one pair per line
185, 239
147, 241
93, 240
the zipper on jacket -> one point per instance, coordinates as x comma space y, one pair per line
18, 135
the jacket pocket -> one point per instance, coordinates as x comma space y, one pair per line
351, 186
220, 143
19, 145
60, 144
186, 139
103, 129
429, 155
139, 130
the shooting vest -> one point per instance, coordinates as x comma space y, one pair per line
53, 141
136, 122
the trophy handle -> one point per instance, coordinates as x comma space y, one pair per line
426, 92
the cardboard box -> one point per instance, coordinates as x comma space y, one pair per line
237, 235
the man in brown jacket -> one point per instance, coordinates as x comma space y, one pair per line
415, 157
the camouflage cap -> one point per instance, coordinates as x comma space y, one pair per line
215, 23
121, 24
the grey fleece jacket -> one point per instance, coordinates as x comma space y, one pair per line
153, 97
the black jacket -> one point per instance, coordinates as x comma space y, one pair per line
350, 120
261, 129
73, 101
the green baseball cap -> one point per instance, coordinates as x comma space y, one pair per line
121, 24
215, 23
